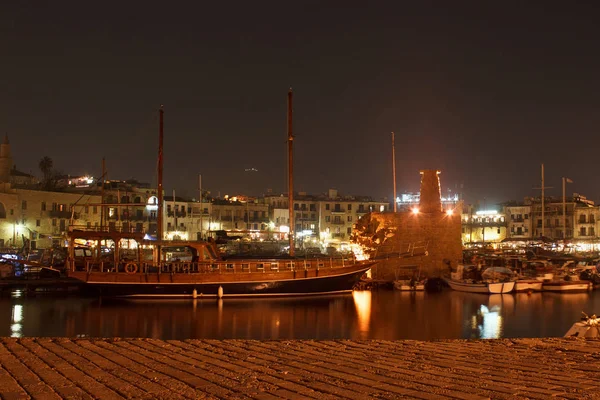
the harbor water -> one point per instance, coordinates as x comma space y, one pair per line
386, 315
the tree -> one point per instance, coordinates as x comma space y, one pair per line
46, 165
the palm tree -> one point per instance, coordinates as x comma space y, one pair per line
46, 165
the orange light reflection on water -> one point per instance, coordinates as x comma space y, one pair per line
362, 301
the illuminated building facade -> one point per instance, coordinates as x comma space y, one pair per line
483, 226
40, 219
232, 215
325, 220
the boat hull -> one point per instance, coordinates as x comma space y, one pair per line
528, 285
488, 288
567, 286
291, 283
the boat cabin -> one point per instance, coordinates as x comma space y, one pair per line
116, 251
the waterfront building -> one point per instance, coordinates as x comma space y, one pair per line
327, 219
518, 221
249, 217
586, 217
40, 219
483, 226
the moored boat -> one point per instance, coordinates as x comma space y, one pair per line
495, 280
191, 269
563, 286
408, 286
482, 287
199, 271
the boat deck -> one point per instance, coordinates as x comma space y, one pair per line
55, 368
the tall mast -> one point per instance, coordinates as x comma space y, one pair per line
564, 216
394, 170
159, 222
291, 173
102, 179
543, 188
543, 202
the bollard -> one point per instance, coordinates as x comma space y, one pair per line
220, 292
195, 293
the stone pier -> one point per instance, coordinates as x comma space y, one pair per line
62, 368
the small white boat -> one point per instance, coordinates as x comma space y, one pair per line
567, 286
482, 287
528, 285
407, 286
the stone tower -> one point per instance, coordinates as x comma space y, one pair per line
6, 161
431, 195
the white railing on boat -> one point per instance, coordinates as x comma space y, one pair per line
228, 266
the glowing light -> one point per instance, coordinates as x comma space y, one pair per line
152, 203
449, 212
177, 235
415, 210
284, 229
358, 252
487, 212
381, 208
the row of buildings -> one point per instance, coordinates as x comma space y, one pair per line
575, 219
39, 219
32, 217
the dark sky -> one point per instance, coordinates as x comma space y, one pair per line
483, 93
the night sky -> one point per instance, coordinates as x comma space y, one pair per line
483, 93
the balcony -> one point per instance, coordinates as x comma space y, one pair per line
334, 222
262, 220
338, 211
60, 214
177, 214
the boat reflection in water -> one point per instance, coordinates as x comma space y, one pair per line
385, 315
488, 322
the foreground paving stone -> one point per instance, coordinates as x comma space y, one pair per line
62, 368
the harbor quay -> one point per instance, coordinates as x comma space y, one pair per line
113, 368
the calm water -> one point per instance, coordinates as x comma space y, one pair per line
360, 315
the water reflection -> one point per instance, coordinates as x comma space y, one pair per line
361, 315
362, 302
17, 317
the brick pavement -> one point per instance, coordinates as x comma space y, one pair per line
62, 368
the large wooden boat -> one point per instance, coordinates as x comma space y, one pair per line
198, 271
194, 268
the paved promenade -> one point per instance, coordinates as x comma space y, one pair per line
44, 368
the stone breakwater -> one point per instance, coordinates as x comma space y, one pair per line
57, 368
